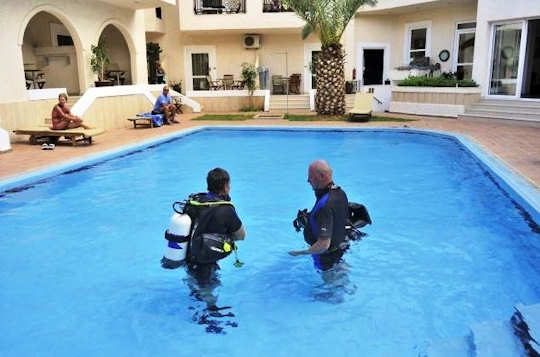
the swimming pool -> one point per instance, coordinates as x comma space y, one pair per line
449, 247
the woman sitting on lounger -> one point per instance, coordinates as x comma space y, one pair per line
62, 118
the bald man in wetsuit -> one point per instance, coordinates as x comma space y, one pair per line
325, 231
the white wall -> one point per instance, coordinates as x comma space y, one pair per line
391, 30
84, 20
490, 11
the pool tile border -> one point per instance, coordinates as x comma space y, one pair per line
519, 189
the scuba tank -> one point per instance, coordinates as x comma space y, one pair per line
177, 236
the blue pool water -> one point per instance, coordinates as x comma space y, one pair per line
79, 253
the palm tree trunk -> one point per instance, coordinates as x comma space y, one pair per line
330, 77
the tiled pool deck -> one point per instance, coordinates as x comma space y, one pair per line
516, 145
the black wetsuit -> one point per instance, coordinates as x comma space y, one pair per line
224, 220
327, 220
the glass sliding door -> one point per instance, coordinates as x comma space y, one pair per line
505, 59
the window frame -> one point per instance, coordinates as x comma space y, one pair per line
409, 27
455, 53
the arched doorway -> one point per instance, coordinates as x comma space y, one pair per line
119, 69
49, 54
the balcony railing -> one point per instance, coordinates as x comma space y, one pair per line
204, 7
275, 6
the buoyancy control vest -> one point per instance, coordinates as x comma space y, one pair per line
206, 247
187, 237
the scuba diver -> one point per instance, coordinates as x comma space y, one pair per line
332, 222
200, 234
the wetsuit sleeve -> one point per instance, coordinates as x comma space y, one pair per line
325, 220
232, 220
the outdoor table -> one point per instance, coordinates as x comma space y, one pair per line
117, 73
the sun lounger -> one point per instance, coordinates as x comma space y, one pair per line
43, 131
363, 103
147, 119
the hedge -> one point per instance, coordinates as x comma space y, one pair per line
423, 81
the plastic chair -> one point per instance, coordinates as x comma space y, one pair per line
213, 85
228, 81
278, 87
294, 83
363, 106
40, 80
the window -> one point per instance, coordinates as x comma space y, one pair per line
418, 39
158, 12
418, 43
63, 40
464, 49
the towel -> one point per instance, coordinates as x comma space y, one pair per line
156, 118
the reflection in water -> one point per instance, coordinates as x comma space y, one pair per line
202, 285
336, 286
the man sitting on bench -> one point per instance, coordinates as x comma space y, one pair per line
164, 106
62, 118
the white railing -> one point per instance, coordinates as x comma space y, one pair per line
91, 94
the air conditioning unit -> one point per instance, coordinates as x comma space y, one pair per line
252, 41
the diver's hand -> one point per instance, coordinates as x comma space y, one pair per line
296, 253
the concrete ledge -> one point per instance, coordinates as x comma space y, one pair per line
440, 110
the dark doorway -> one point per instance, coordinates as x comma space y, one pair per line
314, 56
531, 73
373, 67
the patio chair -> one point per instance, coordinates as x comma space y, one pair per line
238, 85
228, 80
40, 80
278, 86
212, 84
28, 80
363, 106
294, 83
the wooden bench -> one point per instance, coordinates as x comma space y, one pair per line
40, 132
142, 121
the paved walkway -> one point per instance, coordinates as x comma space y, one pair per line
517, 145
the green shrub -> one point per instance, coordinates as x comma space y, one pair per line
249, 73
251, 108
176, 86
441, 81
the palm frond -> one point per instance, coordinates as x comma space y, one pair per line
306, 31
327, 18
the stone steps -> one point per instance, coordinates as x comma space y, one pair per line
497, 338
293, 101
516, 337
489, 109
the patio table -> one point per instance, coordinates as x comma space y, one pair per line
116, 73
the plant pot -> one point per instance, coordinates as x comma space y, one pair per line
104, 83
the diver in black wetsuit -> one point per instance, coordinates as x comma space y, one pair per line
203, 277
325, 232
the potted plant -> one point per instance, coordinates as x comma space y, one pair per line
98, 61
249, 73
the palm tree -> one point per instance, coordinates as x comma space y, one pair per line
328, 20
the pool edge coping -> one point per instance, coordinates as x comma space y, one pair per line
520, 189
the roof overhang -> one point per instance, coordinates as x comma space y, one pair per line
139, 4
396, 7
